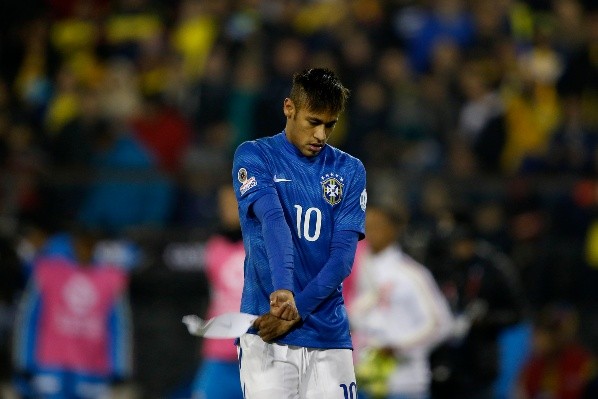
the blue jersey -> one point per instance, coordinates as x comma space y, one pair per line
319, 195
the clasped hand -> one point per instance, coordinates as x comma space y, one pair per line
282, 317
282, 305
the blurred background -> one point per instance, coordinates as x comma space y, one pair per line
121, 117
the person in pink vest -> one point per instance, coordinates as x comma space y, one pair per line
218, 375
73, 332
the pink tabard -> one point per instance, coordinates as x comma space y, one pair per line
224, 267
76, 305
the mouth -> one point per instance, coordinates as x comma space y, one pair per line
315, 147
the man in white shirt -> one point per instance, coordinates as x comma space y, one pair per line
398, 314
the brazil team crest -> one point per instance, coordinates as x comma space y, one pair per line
332, 188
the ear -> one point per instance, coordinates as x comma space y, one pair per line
289, 108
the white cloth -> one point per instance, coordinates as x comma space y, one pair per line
278, 371
226, 325
399, 305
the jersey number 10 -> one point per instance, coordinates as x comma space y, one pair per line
348, 391
304, 223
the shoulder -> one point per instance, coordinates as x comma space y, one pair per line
247, 149
258, 146
344, 156
415, 268
51, 266
348, 161
253, 156
54, 261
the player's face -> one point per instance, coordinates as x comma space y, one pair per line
307, 130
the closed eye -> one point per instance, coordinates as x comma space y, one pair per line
316, 122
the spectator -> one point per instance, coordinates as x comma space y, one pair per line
446, 21
193, 37
63, 106
118, 200
485, 295
72, 145
573, 144
288, 56
560, 366
247, 81
24, 168
120, 95
164, 132
367, 120
130, 24
414, 140
211, 92
532, 109
481, 119
580, 74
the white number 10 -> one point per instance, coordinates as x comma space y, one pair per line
306, 223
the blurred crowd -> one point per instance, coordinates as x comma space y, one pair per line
478, 118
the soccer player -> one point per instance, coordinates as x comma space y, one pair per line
302, 210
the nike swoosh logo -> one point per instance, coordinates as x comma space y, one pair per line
278, 180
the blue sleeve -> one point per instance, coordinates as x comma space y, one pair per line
121, 356
351, 215
251, 175
26, 328
338, 267
277, 239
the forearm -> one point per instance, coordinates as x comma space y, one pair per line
424, 334
277, 239
336, 269
432, 321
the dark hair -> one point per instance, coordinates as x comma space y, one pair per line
318, 89
394, 212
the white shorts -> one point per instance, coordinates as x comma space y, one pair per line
278, 371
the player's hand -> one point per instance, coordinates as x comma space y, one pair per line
282, 305
271, 327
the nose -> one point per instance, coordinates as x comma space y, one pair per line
320, 132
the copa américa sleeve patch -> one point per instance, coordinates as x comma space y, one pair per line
246, 182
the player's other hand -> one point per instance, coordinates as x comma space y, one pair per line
282, 305
271, 327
